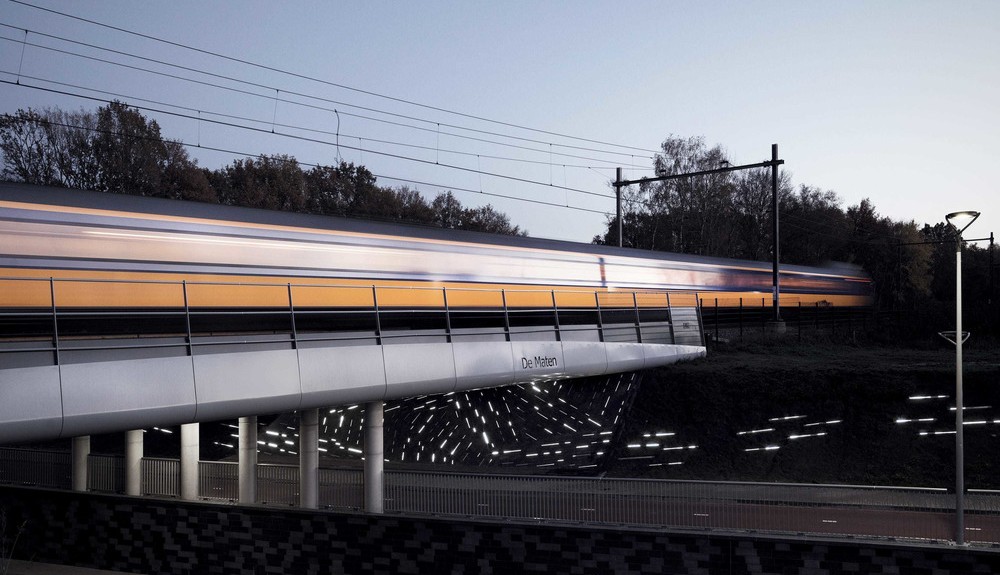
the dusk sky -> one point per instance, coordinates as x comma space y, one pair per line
898, 102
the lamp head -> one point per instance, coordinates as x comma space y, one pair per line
961, 220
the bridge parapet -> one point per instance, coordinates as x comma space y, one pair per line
81, 356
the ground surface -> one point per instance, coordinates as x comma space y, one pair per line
818, 412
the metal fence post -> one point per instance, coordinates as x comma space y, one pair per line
741, 319
555, 315
187, 317
763, 318
600, 319
291, 313
670, 317
378, 319
699, 302
506, 315
447, 315
55, 319
716, 322
638, 323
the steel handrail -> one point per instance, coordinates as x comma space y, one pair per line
193, 339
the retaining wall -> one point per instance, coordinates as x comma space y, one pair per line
161, 536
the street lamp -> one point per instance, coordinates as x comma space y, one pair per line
959, 221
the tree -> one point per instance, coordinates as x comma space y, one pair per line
128, 152
114, 150
814, 228
684, 214
488, 219
267, 182
342, 190
447, 210
183, 179
118, 150
25, 141
49, 148
411, 206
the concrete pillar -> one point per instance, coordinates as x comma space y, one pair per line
190, 454
248, 460
81, 451
309, 458
133, 462
374, 457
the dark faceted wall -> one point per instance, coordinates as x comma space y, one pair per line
157, 536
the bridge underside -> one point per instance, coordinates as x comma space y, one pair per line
111, 390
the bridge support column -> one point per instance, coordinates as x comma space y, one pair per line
81, 451
190, 453
309, 458
133, 462
374, 457
248, 460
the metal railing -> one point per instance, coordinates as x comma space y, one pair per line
835, 510
752, 318
106, 473
341, 489
828, 510
57, 320
277, 484
219, 480
40, 468
161, 477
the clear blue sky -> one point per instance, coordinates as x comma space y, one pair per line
894, 101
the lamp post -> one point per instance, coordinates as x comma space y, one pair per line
959, 221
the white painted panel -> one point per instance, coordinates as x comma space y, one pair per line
341, 375
624, 356
535, 360
30, 403
656, 355
483, 364
585, 358
129, 394
418, 369
253, 383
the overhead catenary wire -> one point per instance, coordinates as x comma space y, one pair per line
314, 165
353, 89
323, 142
275, 98
341, 86
272, 130
199, 145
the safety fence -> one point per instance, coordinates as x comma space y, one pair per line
54, 321
747, 318
834, 510
828, 510
279, 485
105, 473
160, 477
37, 467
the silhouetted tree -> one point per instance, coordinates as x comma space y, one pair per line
114, 150
118, 150
268, 182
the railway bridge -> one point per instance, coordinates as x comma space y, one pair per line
122, 314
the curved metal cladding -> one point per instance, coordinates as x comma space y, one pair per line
123, 312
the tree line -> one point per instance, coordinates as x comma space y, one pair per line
116, 149
728, 215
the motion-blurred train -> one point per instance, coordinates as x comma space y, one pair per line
78, 249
